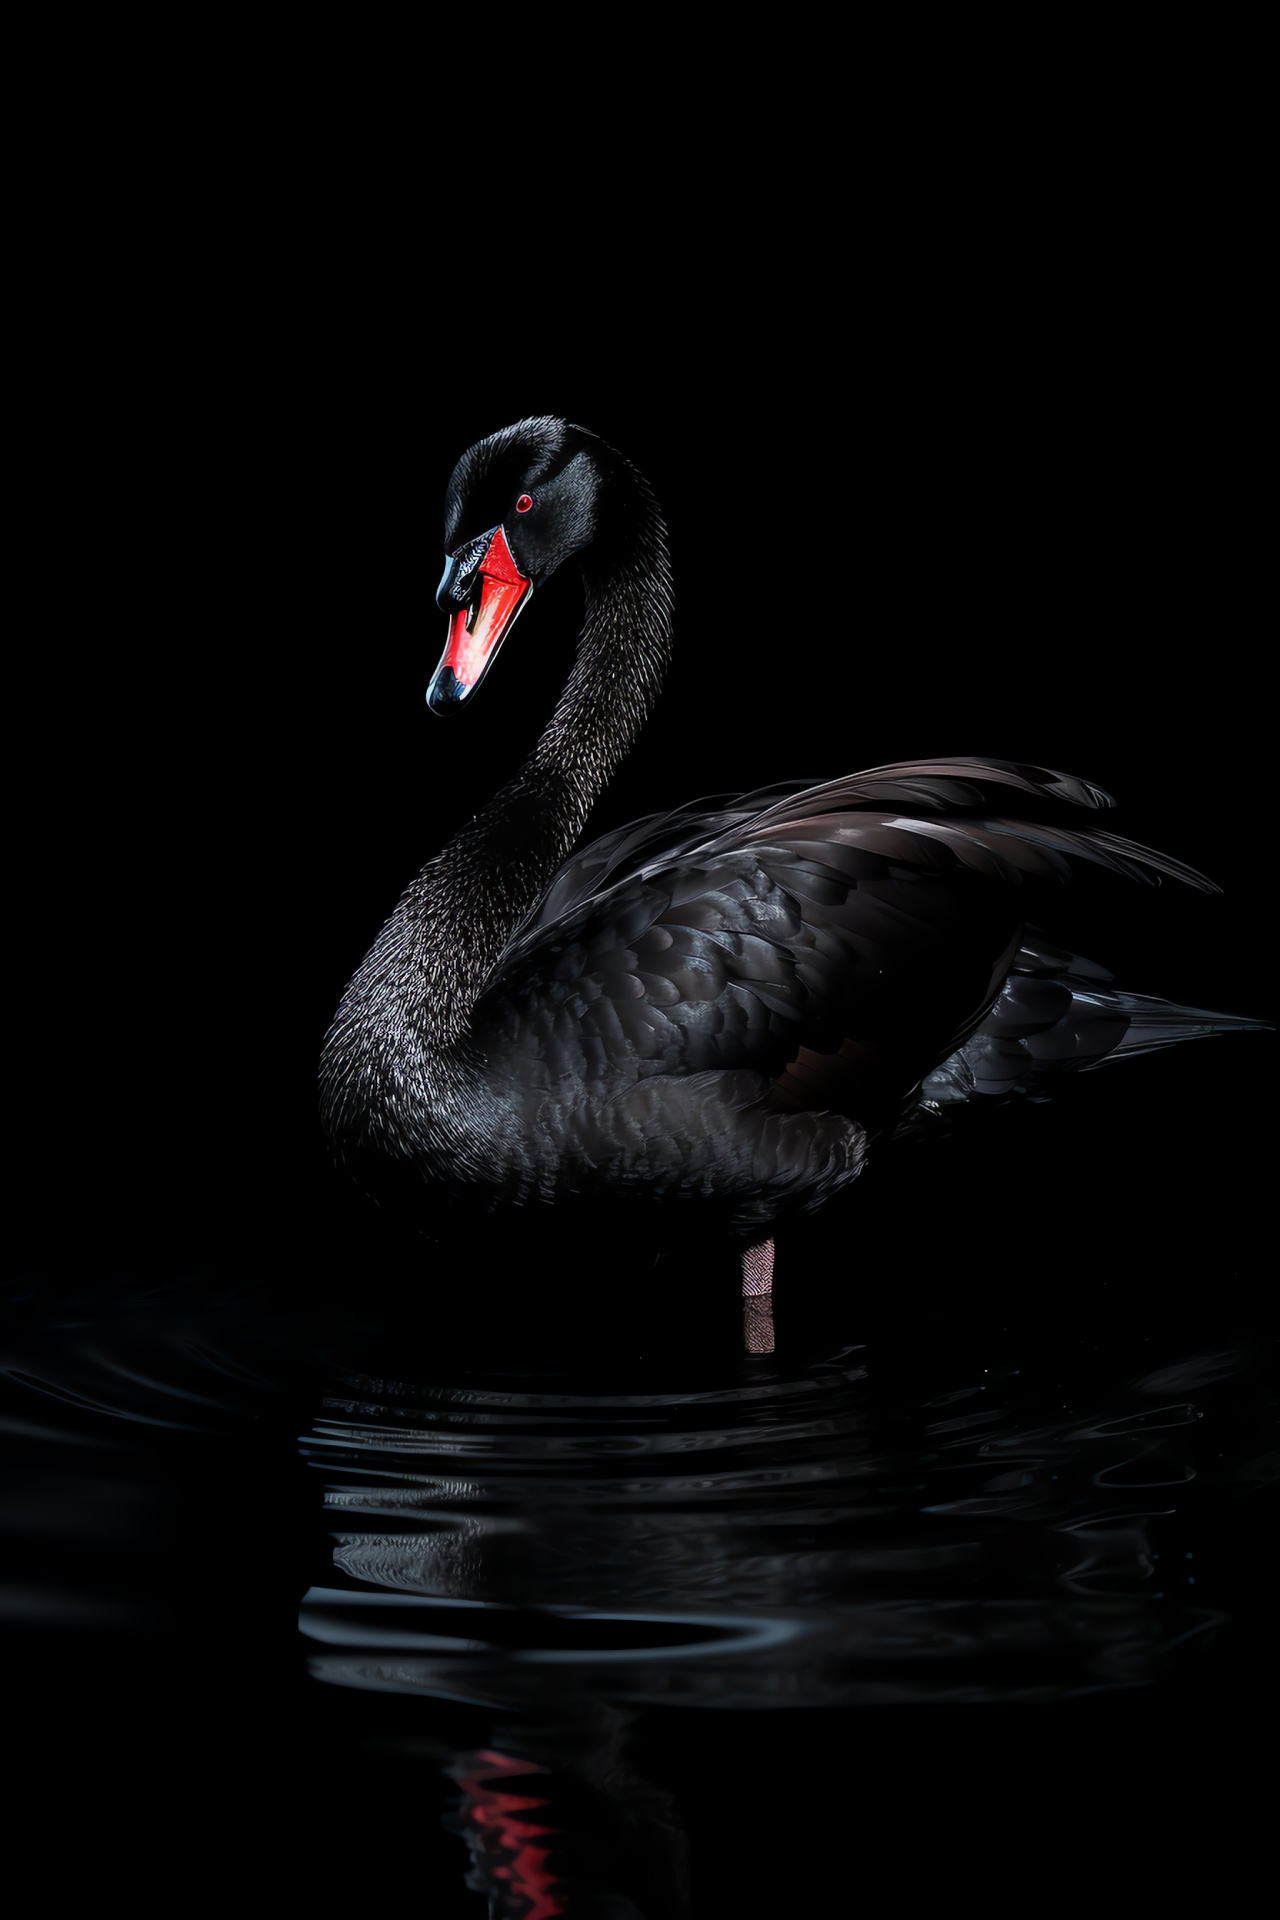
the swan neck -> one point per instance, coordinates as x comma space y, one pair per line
470, 900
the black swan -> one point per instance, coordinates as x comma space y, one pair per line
717, 1007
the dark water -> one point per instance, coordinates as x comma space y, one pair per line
610, 1616
809, 1537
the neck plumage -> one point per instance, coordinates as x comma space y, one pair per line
470, 900
406, 1013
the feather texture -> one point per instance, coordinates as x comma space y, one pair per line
722, 1003
1055, 1015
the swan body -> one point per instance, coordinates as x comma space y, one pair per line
719, 1007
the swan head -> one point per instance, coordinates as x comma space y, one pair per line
518, 505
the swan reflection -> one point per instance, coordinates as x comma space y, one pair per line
797, 1535
534, 1568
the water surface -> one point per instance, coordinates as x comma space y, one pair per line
562, 1615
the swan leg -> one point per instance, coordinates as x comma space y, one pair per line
757, 1298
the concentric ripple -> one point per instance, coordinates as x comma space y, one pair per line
818, 1535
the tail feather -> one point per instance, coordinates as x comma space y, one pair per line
1053, 1017
1159, 1023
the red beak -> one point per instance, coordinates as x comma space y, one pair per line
476, 630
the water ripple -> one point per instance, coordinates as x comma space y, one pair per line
840, 1544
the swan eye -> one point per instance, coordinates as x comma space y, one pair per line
524, 503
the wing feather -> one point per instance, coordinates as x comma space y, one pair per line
876, 913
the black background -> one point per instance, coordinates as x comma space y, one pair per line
971, 473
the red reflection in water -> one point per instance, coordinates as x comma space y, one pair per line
502, 1844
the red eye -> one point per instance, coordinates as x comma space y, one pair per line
524, 503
